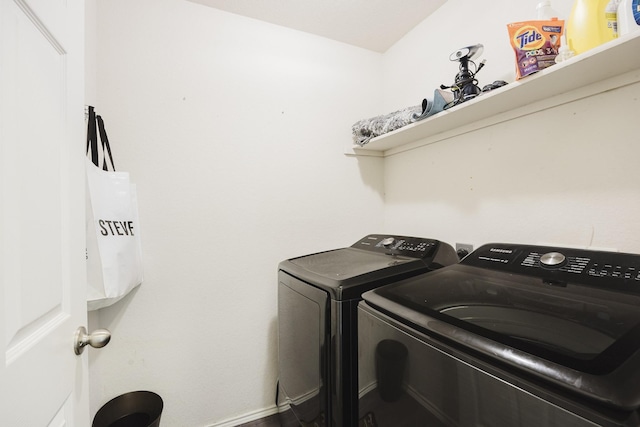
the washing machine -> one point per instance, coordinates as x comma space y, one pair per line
318, 296
512, 336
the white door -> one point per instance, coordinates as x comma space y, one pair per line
42, 276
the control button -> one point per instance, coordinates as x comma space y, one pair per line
552, 259
629, 273
388, 241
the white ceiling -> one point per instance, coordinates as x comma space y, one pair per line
371, 24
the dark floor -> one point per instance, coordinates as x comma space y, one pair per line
283, 419
271, 421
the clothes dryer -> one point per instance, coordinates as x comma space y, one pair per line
318, 296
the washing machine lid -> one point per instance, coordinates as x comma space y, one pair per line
374, 260
576, 322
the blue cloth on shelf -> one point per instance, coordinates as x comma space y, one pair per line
434, 106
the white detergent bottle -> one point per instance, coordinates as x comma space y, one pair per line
544, 11
628, 17
611, 13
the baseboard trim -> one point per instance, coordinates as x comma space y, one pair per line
253, 416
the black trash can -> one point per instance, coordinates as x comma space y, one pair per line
133, 409
391, 358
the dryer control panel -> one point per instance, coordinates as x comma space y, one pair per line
414, 247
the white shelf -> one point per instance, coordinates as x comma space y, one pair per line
603, 68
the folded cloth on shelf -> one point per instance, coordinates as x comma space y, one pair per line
364, 130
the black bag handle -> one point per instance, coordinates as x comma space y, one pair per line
92, 140
92, 137
106, 148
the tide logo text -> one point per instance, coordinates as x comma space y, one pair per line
529, 38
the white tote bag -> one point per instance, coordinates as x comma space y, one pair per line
114, 252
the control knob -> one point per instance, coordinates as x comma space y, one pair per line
388, 242
552, 259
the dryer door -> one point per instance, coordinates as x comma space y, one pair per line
302, 348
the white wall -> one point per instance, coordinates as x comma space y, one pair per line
233, 130
564, 176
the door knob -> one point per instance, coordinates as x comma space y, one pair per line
97, 339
